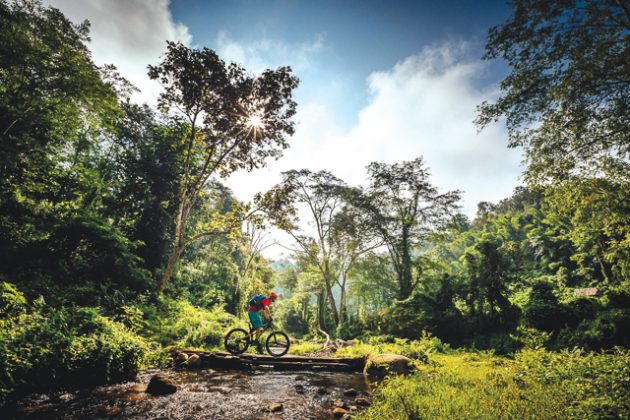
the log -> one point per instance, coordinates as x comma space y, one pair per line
349, 360
220, 360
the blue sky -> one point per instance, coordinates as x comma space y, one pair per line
380, 80
358, 37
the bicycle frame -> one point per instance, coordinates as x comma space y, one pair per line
266, 326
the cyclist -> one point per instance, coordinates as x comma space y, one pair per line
258, 304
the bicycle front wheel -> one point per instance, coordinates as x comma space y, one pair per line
278, 344
237, 341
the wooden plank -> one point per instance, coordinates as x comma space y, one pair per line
228, 361
247, 356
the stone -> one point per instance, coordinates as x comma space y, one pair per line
339, 403
381, 365
65, 397
299, 378
138, 388
196, 388
322, 390
299, 389
133, 396
347, 416
362, 401
107, 411
276, 407
351, 392
194, 360
161, 385
181, 357
339, 412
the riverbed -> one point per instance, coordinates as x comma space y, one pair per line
206, 394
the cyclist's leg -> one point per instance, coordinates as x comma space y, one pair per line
257, 324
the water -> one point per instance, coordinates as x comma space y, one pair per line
203, 394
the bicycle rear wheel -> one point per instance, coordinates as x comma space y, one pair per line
237, 341
278, 344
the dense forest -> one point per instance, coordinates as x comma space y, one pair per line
119, 239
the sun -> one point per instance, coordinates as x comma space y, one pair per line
255, 121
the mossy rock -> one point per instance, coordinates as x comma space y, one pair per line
381, 365
161, 385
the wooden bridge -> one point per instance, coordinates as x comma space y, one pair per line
220, 360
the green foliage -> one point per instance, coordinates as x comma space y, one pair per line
88, 248
295, 314
594, 384
304, 347
218, 103
542, 310
92, 187
403, 209
419, 350
12, 301
538, 384
566, 98
179, 323
434, 312
76, 346
531, 338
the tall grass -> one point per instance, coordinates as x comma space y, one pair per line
537, 384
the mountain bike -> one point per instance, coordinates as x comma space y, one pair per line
237, 341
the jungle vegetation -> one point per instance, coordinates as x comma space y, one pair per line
118, 238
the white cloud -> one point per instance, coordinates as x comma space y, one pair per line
425, 105
266, 53
130, 34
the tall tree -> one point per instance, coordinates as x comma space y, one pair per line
53, 102
318, 195
566, 100
55, 106
141, 169
235, 121
351, 237
489, 275
403, 209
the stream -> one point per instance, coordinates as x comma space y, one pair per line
206, 394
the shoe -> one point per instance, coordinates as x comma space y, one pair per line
259, 347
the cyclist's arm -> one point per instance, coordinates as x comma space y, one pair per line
267, 313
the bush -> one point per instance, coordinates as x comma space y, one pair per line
114, 355
180, 323
76, 346
543, 311
531, 338
538, 384
420, 350
595, 385
12, 302
305, 347
608, 329
408, 318
581, 309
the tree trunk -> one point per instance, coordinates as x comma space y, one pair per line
331, 298
405, 280
321, 309
170, 267
179, 243
342, 300
236, 299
